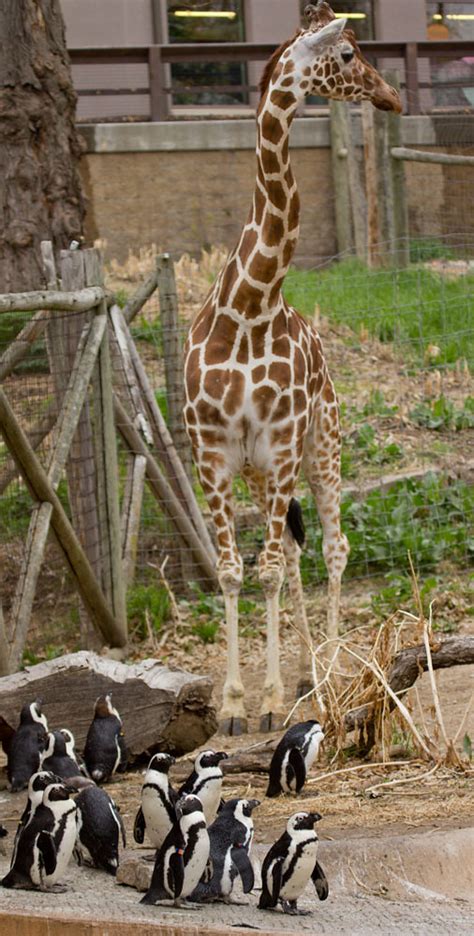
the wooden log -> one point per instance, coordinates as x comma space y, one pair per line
86, 355
357, 195
161, 709
75, 300
407, 666
342, 199
384, 189
143, 293
447, 159
131, 514
124, 372
370, 161
164, 494
36, 436
173, 358
41, 490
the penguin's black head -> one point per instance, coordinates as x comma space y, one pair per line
59, 743
248, 806
55, 793
187, 805
209, 759
302, 820
161, 762
3, 831
31, 714
39, 781
68, 737
103, 707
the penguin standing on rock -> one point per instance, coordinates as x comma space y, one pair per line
294, 757
205, 781
46, 843
184, 856
230, 836
55, 757
99, 830
290, 863
156, 813
26, 746
105, 751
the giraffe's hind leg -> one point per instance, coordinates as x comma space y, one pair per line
322, 467
292, 553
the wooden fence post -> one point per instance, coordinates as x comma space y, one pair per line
342, 197
371, 186
173, 358
398, 182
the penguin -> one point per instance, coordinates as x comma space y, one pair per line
56, 758
205, 781
99, 830
290, 863
156, 813
3, 834
26, 746
36, 786
230, 836
184, 856
105, 751
46, 843
293, 758
71, 749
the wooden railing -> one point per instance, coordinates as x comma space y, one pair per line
157, 57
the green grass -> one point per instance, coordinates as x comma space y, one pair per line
442, 414
147, 601
413, 308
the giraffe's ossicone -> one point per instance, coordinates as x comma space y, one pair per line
260, 401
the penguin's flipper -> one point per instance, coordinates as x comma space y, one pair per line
156, 890
277, 874
176, 871
139, 827
320, 882
118, 818
47, 849
268, 899
208, 872
244, 866
296, 759
123, 763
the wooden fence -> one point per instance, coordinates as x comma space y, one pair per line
371, 204
89, 343
413, 56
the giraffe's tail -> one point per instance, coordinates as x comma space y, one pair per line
295, 523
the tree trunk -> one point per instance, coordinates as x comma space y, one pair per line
40, 188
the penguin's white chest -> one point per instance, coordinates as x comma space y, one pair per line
301, 861
210, 796
64, 843
156, 816
196, 863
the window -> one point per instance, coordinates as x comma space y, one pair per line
359, 13
452, 81
197, 21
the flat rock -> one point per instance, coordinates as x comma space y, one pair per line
161, 708
135, 872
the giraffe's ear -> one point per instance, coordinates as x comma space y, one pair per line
317, 42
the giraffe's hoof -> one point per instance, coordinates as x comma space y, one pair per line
233, 726
304, 687
272, 721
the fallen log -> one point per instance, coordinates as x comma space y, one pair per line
161, 709
407, 666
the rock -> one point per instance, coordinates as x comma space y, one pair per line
135, 872
162, 709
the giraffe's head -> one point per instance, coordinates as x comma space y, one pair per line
325, 59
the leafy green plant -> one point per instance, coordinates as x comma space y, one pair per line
206, 630
442, 414
151, 600
398, 593
467, 746
364, 440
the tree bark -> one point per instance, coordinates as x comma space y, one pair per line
40, 188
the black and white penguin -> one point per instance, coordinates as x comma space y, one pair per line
37, 784
230, 836
294, 757
105, 751
46, 843
205, 781
156, 814
99, 830
26, 746
184, 856
290, 863
56, 759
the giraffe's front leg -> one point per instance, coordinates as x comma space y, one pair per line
217, 485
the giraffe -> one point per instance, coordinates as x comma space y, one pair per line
259, 399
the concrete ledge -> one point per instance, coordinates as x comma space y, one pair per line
26, 924
307, 133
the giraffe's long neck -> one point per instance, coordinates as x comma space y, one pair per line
252, 279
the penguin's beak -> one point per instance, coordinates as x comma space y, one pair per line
221, 755
253, 803
316, 817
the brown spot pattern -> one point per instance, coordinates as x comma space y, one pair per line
248, 300
263, 398
221, 340
272, 129
263, 268
258, 339
273, 229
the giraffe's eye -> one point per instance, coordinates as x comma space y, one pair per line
347, 56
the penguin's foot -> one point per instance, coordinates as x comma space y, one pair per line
233, 726
289, 906
272, 721
149, 857
54, 889
305, 686
181, 904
